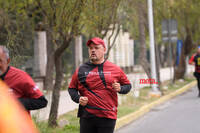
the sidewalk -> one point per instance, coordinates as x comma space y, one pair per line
66, 104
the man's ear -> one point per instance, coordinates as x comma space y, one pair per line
105, 50
8, 60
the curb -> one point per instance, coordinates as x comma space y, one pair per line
146, 108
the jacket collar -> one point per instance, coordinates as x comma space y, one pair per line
4, 74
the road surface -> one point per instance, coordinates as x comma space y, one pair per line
179, 115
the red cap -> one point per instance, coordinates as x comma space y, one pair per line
97, 41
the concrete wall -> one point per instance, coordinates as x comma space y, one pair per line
78, 51
40, 54
122, 52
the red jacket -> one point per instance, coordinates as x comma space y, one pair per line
196, 59
95, 82
24, 88
21, 84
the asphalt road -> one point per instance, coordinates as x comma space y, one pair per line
179, 115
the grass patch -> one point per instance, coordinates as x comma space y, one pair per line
72, 127
124, 110
178, 84
129, 104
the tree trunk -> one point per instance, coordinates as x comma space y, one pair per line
58, 82
186, 48
142, 38
157, 65
180, 70
48, 81
56, 92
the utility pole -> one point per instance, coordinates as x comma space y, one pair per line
155, 92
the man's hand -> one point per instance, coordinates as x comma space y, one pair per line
83, 101
116, 86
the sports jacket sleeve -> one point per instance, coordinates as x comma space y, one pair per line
33, 98
125, 83
33, 103
73, 91
191, 59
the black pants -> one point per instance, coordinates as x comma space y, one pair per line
197, 75
97, 125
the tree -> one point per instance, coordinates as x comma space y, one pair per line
189, 29
142, 38
61, 20
96, 23
136, 23
186, 13
16, 32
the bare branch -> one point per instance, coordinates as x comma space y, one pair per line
113, 43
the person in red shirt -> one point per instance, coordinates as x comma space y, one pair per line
20, 83
195, 60
94, 86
